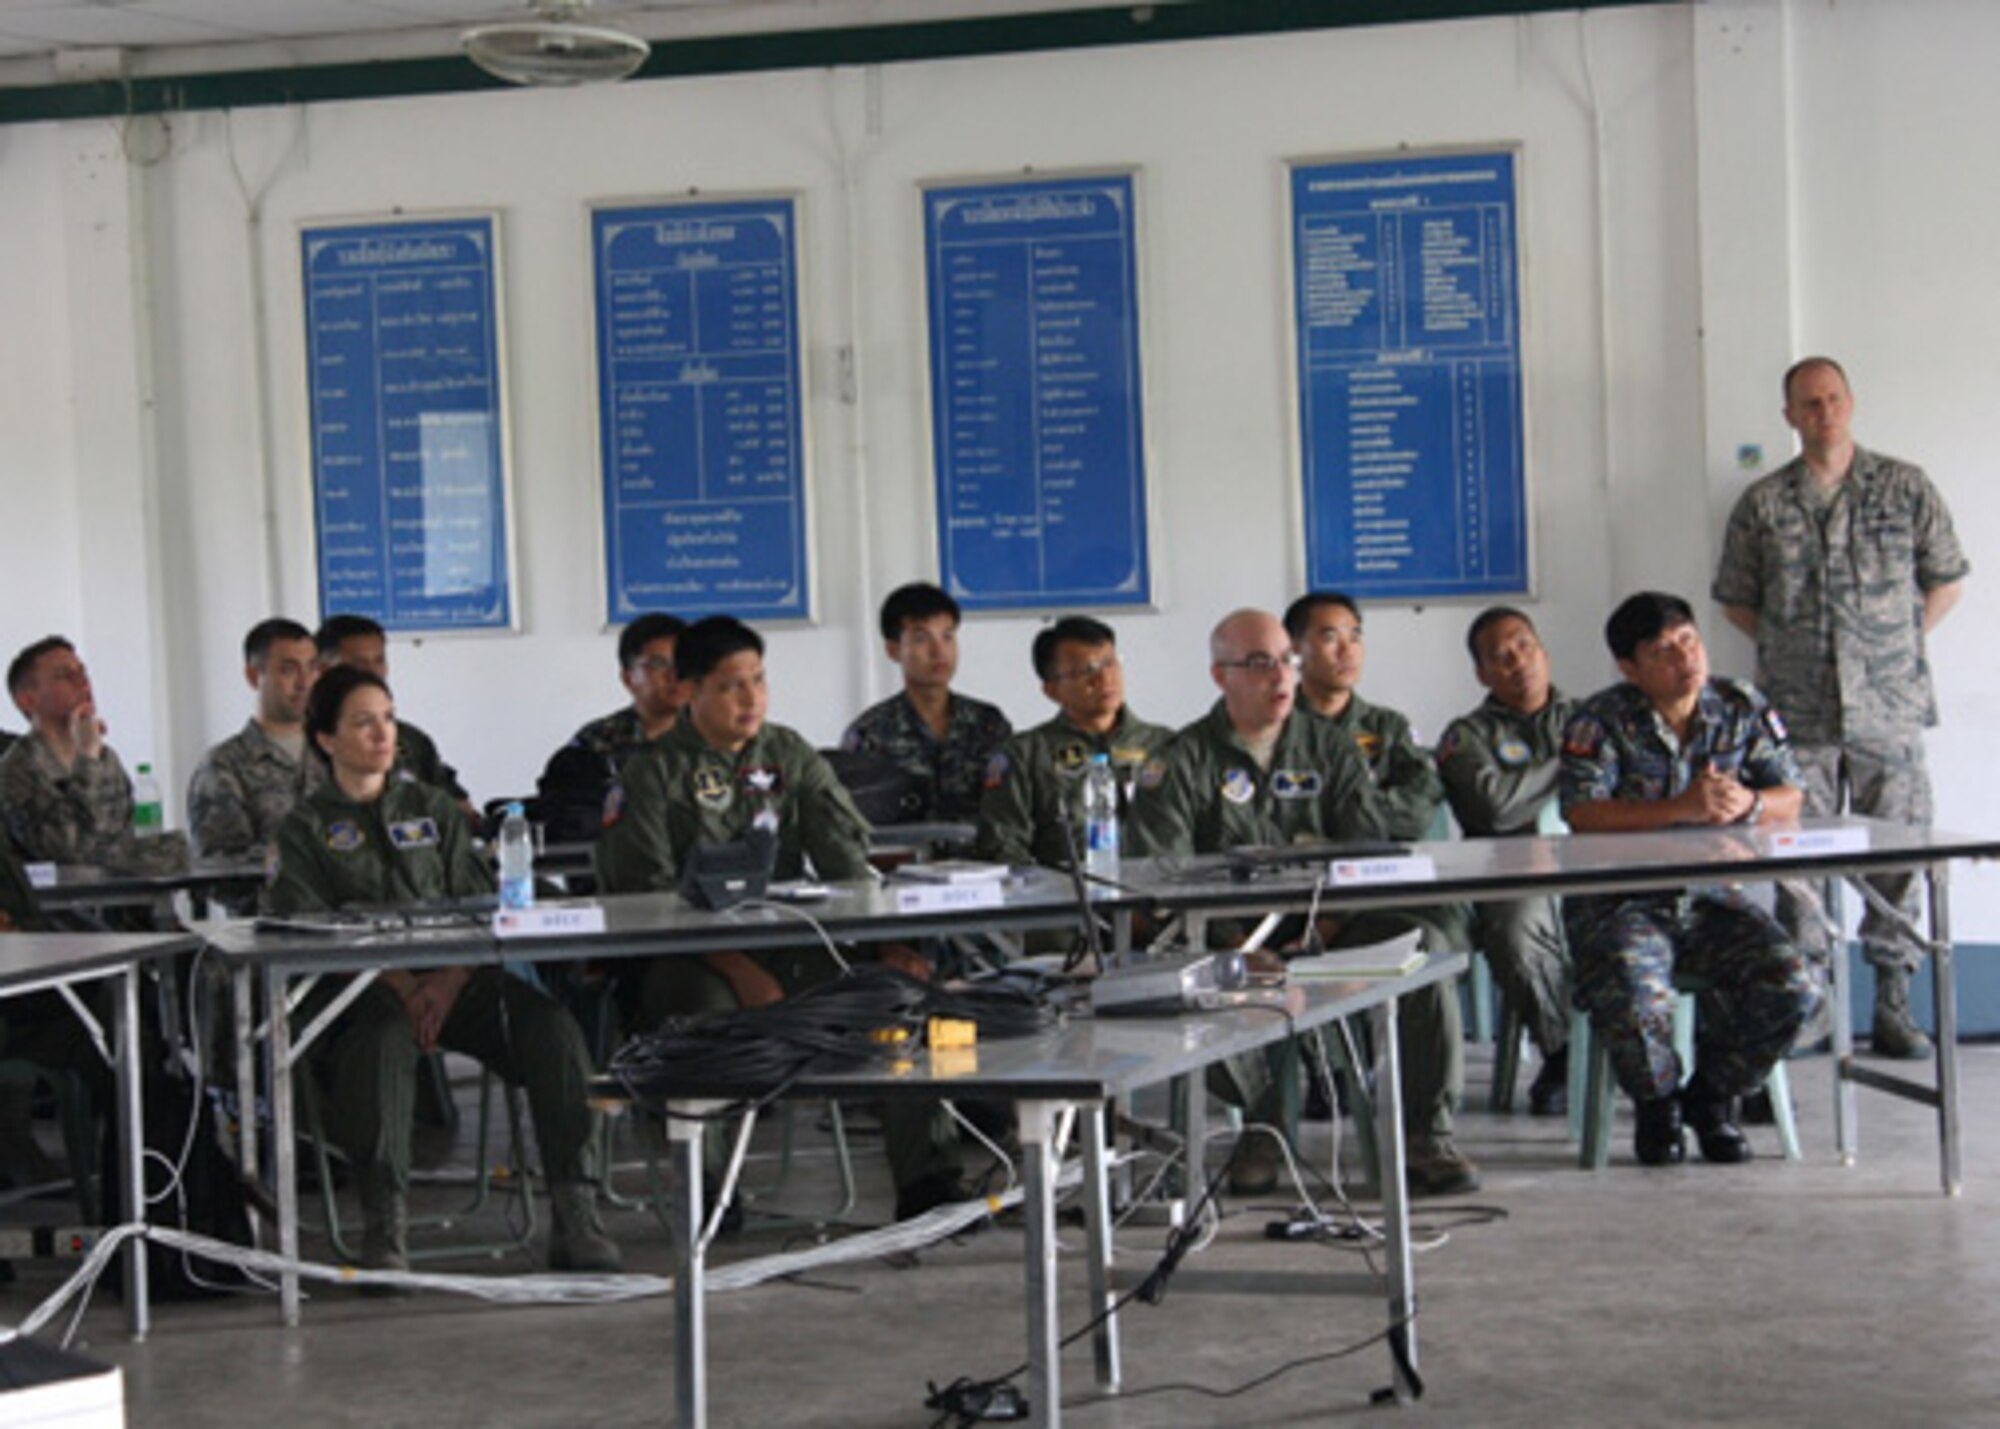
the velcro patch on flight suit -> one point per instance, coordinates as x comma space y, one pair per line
343, 836
414, 833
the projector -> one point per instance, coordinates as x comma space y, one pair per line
1200, 982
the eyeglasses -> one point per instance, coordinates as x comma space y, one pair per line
654, 665
1259, 663
1087, 672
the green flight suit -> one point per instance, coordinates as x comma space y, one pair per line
1500, 770
411, 844
1204, 793
682, 792
1037, 771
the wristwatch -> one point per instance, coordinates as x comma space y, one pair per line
1755, 814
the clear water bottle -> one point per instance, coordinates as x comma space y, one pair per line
149, 815
517, 860
1100, 818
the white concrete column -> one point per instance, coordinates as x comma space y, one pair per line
112, 412
1744, 180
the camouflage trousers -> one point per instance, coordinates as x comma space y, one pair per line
1885, 780
1759, 990
1523, 940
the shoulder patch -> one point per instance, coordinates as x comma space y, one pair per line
1775, 723
614, 804
1584, 737
998, 768
343, 836
1448, 745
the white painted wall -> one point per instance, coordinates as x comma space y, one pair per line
1635, 179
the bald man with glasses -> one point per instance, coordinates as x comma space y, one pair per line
1256, 769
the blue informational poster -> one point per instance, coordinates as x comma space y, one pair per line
1406, 291
699, 409
1037, 432
405, 395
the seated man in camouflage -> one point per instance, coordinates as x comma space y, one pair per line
570, 794
1034, 785
244, 786
718, 773
942, 740
1500, 765
1256, 770
360, 642
1670, 746
66, 796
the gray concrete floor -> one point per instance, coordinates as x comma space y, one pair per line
1765, 1294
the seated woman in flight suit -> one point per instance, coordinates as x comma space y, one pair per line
372, 838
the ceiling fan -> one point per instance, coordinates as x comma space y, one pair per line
554, 46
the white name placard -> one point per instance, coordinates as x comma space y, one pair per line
1799, 843
556, 921
1400, 868
40, 875
947, 897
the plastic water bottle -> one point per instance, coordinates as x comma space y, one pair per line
1100, 818
517, 860
148, 814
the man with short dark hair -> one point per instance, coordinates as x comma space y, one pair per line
1500, 765
1254, 770
66, 796
1326, 634
572, 788
361, 642
244, 786
941, 739
1670, 746
1034, 785
1838, 564
719, 772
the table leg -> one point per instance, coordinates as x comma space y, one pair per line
1944, 992
247, 1156
131, 1128
1097, 1223
1038, 1206
684, 1138
1395, 1202
1846, 1125
284, 1144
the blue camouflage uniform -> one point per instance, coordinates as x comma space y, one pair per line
1627, 947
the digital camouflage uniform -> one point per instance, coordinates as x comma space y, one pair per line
1837, 581
683, 793
1500, 770
949, 772
417, 755
79, 815
1035, 773
570, 794
1204, 793
412, 844
1627, 947
242, 790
